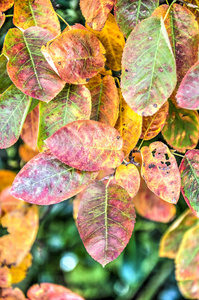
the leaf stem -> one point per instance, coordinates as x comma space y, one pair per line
140, 145
63, 20
7, 16
173, 151
169, 9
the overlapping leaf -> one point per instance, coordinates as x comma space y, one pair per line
113, 41
27, 67
105, 221
36, 13
76, 55
71, 104
181, 128
87, 145
45, 180
6, 4
105, 99
14, 107
148, 67
160, 171
2, 19
129, 13
189, 288
96, 12
189, 170
5, 81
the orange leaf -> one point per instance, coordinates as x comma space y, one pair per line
6, 4
26, 153
6, 178
11, 294
2, 19
5, 277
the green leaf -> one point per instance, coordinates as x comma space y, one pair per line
5, 81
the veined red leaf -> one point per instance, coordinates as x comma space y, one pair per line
160, 171
87, 145
2, 19
148, 67
105, 221
27, 67
129, 13
14, 107
36, 13
76, 55
96, 12
105, 99
45, 180
189, 170
188, 92
71, 104
5, 81
6, 4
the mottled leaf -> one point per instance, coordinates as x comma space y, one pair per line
71, 104
6, 178
129, 125
26, 153
5, 81
189, 170
129, 13
2, 19
12, 294
76, 55
87, 145
113, 41
27, 67
105, 99
152, 125
14, 107
172, 238
6, 4
5, 277
36, 13
18, 273
96, 12
128, 177
148, 67
181, 128
160, 171
105, 221
188, 92
189, 288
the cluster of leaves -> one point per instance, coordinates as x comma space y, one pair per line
60, 91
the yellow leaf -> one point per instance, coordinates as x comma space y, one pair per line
18, 273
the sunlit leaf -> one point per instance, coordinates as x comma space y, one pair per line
45, 180
6, 4
5, 277
96, 12
36, 13
128, 177
189, 170
12, 294
129, 13
160, 171
152, 125
172, 238
76, 55
105, 221
129, 125
27, 67
14, 107
5, 81
181, 128
148, 67
26, 153
6, 178
188, 92
71, 104
76, 203
105, 99
193, 5
113, 41
87, 145
189, 288
18, 273
2, 19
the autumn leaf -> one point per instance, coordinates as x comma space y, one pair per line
160, 171
87, 145
5, 81
26, 153
105, 221
12, 294
189, 288
6, 4
18, 273
5, 278
148, 67
2, 19
6, 179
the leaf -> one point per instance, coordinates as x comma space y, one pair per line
71, 104
152, 125
148, 67
113, 41
129, 13
36, 13
105, 221
14, 107
30, 128
45, 180
5, 81
87, 145
12, 294
5, 277
6, 178
27, 67
19, 273
105, 99
26, 153
128, 177
172, 238
189, 171
189, 288
51, 291
2, 19
188, 92
129, 125
6, 4
181, 128
96, 12
160, 171
77, 50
